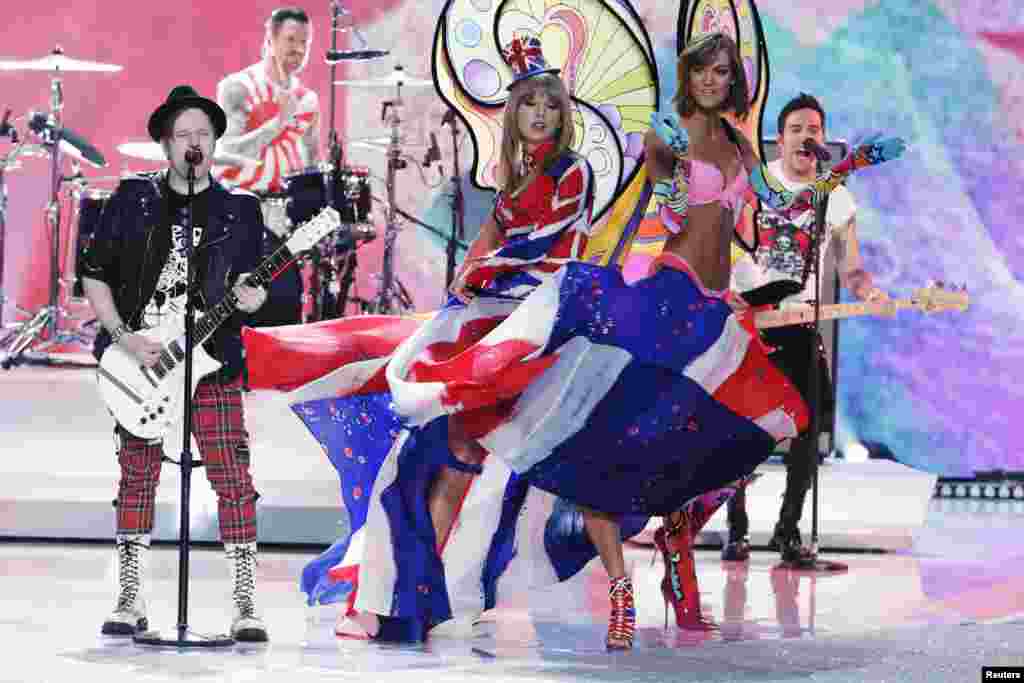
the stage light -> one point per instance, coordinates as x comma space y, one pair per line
856, 452
994, 486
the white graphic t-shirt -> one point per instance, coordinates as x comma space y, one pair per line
168, 300
784, 246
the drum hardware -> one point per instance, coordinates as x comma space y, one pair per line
50, 129
392, 296
80, 148
342, 21
457, 234
347, 189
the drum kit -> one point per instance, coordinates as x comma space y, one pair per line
329, 269
53, 140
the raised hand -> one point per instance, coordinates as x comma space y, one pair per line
877, 150
669, 128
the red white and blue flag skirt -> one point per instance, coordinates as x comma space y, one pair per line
633, 399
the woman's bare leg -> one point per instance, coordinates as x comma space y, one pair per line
449, 488
605, 534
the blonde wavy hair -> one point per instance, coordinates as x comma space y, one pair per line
510, 172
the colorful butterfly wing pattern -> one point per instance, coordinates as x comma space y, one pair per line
606, 61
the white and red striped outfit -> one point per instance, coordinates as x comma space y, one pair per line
286, 153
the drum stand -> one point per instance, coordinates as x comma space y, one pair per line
43, 325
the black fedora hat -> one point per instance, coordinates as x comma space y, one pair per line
186, 97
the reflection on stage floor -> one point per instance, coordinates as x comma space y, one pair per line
947, 599
939, 612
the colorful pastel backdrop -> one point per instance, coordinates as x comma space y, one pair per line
940, 391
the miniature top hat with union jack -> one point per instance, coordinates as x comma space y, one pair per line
525, 57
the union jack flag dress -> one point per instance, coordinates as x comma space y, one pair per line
631, 399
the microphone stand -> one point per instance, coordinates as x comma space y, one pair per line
814, 390
457, 234
333, 146
185, 637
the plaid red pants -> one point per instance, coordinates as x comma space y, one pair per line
218, 425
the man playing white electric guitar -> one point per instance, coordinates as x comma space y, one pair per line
135, 278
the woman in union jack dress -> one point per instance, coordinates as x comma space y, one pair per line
406, 565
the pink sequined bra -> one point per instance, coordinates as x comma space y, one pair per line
707, 185
697, 183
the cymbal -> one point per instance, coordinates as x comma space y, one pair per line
154, 151
397, 77
56, 61
39, 151
381, 143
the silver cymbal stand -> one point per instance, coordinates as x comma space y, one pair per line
391, 297
44, 323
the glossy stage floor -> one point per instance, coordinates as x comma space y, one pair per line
944, 601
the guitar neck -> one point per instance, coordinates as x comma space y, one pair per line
805, 314
208, 323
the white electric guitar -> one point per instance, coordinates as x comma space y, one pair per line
147, 400
933, 299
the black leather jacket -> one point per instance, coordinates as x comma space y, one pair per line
133, 240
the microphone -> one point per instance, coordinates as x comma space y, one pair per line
40, 124
193, 156
433, 152
820, 153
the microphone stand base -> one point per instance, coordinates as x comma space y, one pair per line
810, 562
182, 639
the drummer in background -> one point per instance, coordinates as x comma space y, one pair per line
272, 116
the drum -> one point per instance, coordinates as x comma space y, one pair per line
91, 203
307, 194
